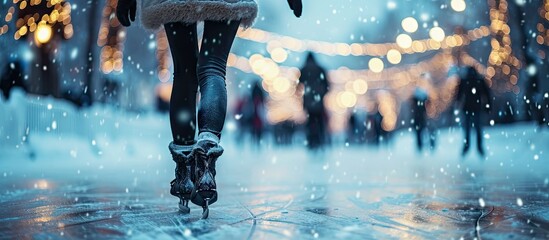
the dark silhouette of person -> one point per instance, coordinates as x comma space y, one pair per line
356, 127
257, 114
241, 114
475, 98
374, 120
12, 77
377, 126
250, 111
419, 114
315, 85
352, 128
284, 132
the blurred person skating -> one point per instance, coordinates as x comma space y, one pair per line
251, 114
475, 99
258, 113
241, 116
375, 120
315, 85
194, 69
356, 127
419, 115
352, 129
12, 77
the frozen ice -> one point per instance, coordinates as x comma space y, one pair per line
369, 193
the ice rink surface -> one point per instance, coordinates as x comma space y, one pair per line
119, 189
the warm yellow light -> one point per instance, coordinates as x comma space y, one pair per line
388, 123
279, 55
347, 99
404, 41
360, 86
258, 64
281, 84
118, 66
271, 70
394, 56
164, 91
68, 31
410, 24
41, 184
107, 67
376, 65
43, 33
433, 44
343, 49
23, 30
163, 74
3, 29
458, 5
23, 5
437, 34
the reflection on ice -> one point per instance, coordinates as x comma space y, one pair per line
353, 192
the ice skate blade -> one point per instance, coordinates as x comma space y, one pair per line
199, 197
184, 207
206, 209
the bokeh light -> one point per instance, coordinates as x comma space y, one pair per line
279, 55
410, 24
360, 86
404, 41
347, 99
437, 34
376, 65
43, 33
394, 56
458, 5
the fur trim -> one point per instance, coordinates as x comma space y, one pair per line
208, 136
181, 153
155, 13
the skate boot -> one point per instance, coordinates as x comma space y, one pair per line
182, 186
206, 151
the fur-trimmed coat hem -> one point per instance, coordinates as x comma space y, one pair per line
155, 15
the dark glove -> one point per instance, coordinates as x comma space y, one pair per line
297, 6
125, 11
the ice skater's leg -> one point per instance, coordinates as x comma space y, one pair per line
480, 138
211, 70
419, 142
212, 65
467, 128
184, 48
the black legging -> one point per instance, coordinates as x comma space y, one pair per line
193, 68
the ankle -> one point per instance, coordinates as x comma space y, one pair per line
175, 147
208, 136
180, 142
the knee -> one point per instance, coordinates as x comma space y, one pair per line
211, 82
211, 66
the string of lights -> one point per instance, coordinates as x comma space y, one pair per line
350, 89
503, 65
30, 21
111, 38
355, 88
163, 56
361, 89
404, 43
543, 36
